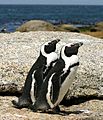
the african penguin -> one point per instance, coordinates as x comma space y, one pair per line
59, 79
36, 74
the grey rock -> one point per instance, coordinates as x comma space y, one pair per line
36, 25
89, 110
18, 51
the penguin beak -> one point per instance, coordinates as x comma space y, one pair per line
79, 44
55, 41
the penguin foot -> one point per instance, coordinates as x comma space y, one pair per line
33, 108
21, 103
39, 107
56, 110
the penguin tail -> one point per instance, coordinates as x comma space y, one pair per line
20, 103
16, 105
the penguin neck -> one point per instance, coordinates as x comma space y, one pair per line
49, 57
41, 61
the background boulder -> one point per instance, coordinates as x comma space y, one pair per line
36, 25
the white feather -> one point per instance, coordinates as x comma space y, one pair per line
32, 88
49, 90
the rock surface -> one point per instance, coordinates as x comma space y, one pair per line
90, 110
18, 51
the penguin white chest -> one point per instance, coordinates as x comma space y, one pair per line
51, 57
67, 82
69, 79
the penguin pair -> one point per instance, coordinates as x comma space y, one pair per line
37, 74
59, 79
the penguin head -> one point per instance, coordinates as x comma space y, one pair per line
71, 49
49, 47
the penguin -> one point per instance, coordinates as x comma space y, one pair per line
59, 79
36, 74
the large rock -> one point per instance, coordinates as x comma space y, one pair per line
90, 110
18, 51
36, 25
